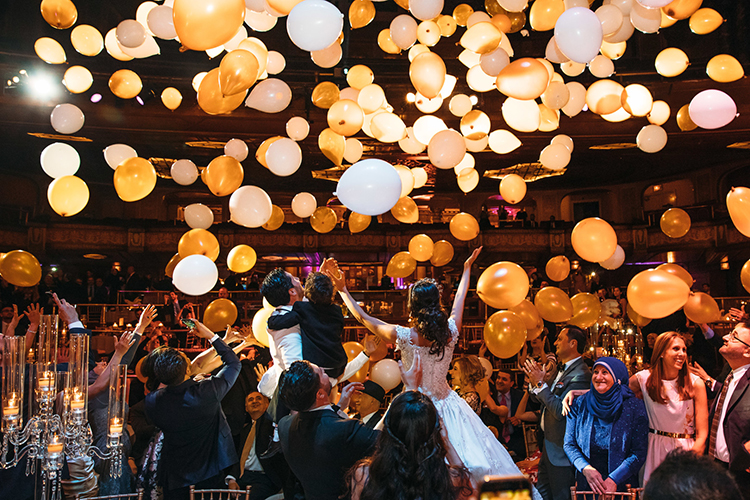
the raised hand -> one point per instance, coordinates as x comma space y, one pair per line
337, 276
470, 261
33, 312
124, 343
202, 330
66, 311
739, 314
232, 335
535, 373
346, 393
259, 370
147, 316
14, 321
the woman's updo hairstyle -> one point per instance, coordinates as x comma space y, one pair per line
428, 316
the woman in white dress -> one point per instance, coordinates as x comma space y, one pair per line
433, 335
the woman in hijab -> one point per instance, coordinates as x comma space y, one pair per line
606, 436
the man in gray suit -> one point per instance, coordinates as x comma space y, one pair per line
556, 474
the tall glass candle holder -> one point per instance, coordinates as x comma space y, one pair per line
77, 389
13, 363
116, 415
48, 331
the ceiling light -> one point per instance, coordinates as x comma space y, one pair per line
206, 144
59, 137
670, 257
94, 256
43, 86
410, 97
615, 145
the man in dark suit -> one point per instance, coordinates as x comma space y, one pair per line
510, 430
370, 402
197, 440
729, 437
556, 474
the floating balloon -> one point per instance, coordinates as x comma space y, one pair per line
403, 31
659, 113
66, 118
314, 24
284, 157
270, 96
361, 13
199, 216
522, 116
503, 142
738, 204
60, 159
405, 210
594, 240
60, 14
446, 149
358, 222
260, 325
130, 33
421, 247
614, 262
87, 40
636, 318
160, 22
745, 276
276, 220
701, 308
323, 219
530, 316
442, 253
553, 305
401, 265
427, 74
49, 51
524, 79
345, 117
481, 38
297, 128
637, 100
425, 10
236, 148
464, 227
657, 294
219, 314
20, 268
369, 187
67, 195
303, 205
651, 139
353, 349
125, 84
558, 268
671, 62
604, 97
169, 269
704, 21
184, 172
504, 334
678, 271
503, 285
555, 157
171, 98
205, 24
675, 223
115, 154
712, 109
578, 34
250, 206
198, 242
195, 275
386, 374
223, 175
683, 119
332, 145
134, 179
586, 310
212, 100
724, 68
238, 71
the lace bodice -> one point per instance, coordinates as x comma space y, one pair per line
434, 369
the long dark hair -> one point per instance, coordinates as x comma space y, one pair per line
654, 382
428, 316
409, 461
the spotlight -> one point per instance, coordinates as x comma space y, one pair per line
43, 86
410, 97
16, 79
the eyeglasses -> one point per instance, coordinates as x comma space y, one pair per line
733, 335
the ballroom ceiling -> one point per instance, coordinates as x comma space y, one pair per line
156, 132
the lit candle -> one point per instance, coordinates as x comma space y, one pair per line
45, 381
11, 408
55, 447
115, 427
77, 403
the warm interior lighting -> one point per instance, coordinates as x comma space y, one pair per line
94, 256
410, 97
615, 145
670, 257
574, 264
657, 187
59, 137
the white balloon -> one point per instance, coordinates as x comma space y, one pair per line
353, 150
328, 57
385, 373
184, 172
513, 5
563, 139
425, 10
115, 154
711, 109
66, 118
199, 216
615, 261
645, 19
314, 24
60, 159
260, 21
160, 22
236, 148
303, 205
297, 128
130, 33
403, 31
578, 34
651, 139
284, 157
270, 96
147, 49
369, 187
276, 62
195, 275
250, 206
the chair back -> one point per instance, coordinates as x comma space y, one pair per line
590, 495
637, 492
219, 494
138, 495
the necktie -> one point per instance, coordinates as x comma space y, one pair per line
249, 442
717, 417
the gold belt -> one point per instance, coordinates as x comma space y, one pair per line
672, 434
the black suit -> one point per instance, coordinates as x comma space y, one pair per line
320, 447
373, 421
516, 442
197, 440
275, 470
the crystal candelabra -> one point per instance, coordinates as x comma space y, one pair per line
57, 405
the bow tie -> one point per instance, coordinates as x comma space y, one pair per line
561, 367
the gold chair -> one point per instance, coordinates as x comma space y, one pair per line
138, 495
637, 492
219, 494
590, 495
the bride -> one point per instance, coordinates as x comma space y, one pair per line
433, 334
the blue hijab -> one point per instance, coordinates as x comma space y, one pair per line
607, 406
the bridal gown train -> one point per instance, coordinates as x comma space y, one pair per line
474, 443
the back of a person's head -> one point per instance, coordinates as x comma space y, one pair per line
147, 369
319, 288
275, 287
299, 386
427, 314
170, 366
684, 475
471, 370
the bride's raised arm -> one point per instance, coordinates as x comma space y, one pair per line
463, 287
385, 331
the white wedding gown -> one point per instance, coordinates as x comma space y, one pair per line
474, 443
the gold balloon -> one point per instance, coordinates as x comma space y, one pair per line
461, 13
219, 314
60, 14
345, 117
503, 285
359, 76
401, 265
682, 9
502, 21
125, 84
171, 98
482, 38
464, 227
386, 43
77, 79
701, 308
405, 210
421, 247
87, 40
224, 175
671, 62
198, 242
442, 253
656, 293
241, 259
169, 269
361, 13
603, 96
20, 268
558, 268
358, 222
134, 179
745, 276
530, 316
257, 48
447, 25
212, 100
332, 145
704, 21
544, 13
49, 51
738, 204
283, 7
238, 71
724, 69
678, 271
427, 74
352, 350
323, 219
68, 195
586, 310
684, 121
205, 24
553, 305
276, 220
594, 240
675, 223
325, 94
260, 325
513, 188
636, 318
260, 153
504, 334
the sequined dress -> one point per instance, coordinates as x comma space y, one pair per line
474, 443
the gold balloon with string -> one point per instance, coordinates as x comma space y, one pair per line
464, 226
421, 247
260, 325
724, 68
238, 71
405, 210
738, 204
745, 276
219, 314
241, 259
586, 310
198, 242
205, 24
212, 100
675, 223
323, 219
530, 316
134, 179
637, 319
704, 21
332, 145
361, 13
678, 271
701, 308
224, 175
656, 293
276, 220
504, 334
401, 265
442, 253
125, 84
20, 268
358, 222
558, 268
60, 14
553, 304
353, 349
503, 285
68, 195
169, 269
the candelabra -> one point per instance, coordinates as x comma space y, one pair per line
58, 406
